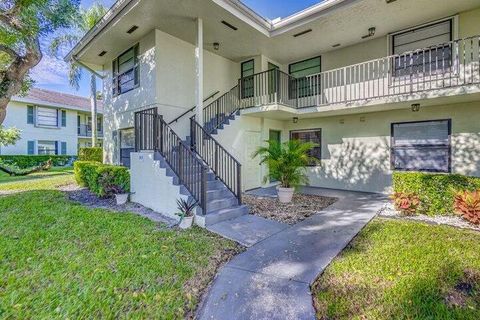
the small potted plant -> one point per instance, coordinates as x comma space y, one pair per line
186, 208
121, 196
110, 187
287, 164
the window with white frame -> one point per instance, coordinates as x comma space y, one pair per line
425, 49
47, 147
47, 117
421, 146
125, 72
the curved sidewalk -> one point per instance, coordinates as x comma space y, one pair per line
272, 279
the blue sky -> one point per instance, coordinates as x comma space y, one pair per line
51, 73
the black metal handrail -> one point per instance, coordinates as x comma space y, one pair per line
217, 112
152, 133
193, 108
223, 164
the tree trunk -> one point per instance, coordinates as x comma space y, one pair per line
93, 102
11, 80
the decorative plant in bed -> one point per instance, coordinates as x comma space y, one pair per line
287, 164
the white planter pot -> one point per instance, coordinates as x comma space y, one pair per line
186, 223
121, 198
285, 195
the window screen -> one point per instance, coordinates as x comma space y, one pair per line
248, 71
47, 147
421, 146
301, 86
47, 117
437, 53
125, 71
314, 136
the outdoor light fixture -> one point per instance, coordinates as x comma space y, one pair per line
216, 46
295, 119
371, 33
415, 107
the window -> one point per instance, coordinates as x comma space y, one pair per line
314, 136
99, 124
64, 118
421, 146
125, 72
47, 147
47, 117
30, 114
435, 56
127, 145
247, 81
303, 87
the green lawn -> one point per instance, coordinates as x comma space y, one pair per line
51, 179
60, 260
403, 270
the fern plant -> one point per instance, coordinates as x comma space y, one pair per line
286, 161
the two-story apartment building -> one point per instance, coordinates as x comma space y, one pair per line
51, 123
379, 85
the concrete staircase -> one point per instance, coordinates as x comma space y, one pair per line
221, 203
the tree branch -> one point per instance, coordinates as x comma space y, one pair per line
9, 51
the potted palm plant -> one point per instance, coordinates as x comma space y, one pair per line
185, 212
286, 164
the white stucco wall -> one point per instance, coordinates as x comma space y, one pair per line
17, 117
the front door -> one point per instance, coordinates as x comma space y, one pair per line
251, 169
127, 145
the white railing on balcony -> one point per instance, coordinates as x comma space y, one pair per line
449, 65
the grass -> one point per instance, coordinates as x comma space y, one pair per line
403, 270
60, 260
51, 179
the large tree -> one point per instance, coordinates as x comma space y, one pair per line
81, 25
22, 24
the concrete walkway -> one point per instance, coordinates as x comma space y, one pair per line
272, 279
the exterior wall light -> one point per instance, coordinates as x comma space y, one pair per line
415, 107
295, 119
216, 46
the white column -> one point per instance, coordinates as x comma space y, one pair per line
199, 73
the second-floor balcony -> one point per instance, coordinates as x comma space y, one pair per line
445, 70
84, 130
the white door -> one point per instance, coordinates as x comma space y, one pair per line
251, 168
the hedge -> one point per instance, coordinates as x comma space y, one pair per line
436, 191
90, 154
28, 161
99, 178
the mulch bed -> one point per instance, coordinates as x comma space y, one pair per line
301, 207
86, 198
388, 211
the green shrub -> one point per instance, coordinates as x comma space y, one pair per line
28, 161
435, 191
90, 154
102, 179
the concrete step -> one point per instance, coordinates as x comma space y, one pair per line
224, 214
218, 194
215, 185
218, 204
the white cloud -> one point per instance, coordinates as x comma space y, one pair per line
51, 71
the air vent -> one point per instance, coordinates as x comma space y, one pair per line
229, 25
101, 54
336, 45
390, 1
132, 29
302, 33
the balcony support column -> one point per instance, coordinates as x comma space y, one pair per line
199, 73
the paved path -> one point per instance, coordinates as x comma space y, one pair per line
271, 280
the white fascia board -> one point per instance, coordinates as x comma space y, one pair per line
49, 104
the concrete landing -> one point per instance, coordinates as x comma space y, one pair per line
247, 229
271, 279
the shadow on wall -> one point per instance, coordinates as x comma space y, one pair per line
355, 164
465, 155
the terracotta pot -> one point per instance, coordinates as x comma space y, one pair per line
186, 223
121, 198
285, 195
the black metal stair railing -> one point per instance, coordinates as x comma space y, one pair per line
225, 167
152, 133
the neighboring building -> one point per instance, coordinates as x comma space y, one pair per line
51, 123
379, 85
